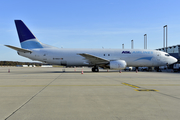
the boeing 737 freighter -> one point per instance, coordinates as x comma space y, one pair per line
117, 59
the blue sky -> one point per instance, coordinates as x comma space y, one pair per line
90, 23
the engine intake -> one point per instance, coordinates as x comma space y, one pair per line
117, 64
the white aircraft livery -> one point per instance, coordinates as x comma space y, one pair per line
117, 59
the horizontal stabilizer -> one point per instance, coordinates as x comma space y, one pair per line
18, 49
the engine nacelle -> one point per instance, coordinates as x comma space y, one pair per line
117, 64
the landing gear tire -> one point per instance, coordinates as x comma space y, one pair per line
95, 69
158, 70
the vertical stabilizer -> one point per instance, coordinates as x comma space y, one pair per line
26, 37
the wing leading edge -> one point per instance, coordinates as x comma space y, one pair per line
94, 60
18, 49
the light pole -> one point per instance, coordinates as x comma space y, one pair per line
145, 41
165, 37
132, 45
122, 46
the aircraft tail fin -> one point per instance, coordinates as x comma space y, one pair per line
26, 37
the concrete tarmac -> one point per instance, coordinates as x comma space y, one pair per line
50, 94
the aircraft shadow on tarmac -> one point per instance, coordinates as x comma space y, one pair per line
111, 71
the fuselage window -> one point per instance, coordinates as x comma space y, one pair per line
167, 55
57, 58
104, 54
108, 54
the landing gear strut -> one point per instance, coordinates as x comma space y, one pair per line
158, 70
95, 69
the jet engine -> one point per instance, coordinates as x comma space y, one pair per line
117, 64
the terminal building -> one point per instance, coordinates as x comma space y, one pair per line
173, 51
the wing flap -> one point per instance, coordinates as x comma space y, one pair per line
92, 59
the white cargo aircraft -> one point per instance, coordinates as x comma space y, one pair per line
117, 59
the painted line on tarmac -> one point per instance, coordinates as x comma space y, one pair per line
31, 98
158, 84
134, 86
139, 90
53, 85
152, 90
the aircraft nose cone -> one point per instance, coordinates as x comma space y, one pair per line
173, 60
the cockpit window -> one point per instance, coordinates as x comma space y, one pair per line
167, 55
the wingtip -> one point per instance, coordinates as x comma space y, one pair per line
6, 45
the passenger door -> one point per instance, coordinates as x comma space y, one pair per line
156, 59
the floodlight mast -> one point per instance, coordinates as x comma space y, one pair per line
132, 44
145, 41
165, 35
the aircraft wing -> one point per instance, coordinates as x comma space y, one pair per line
94, 60
18, 49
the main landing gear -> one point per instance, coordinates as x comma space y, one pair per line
95, 69
158, 70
